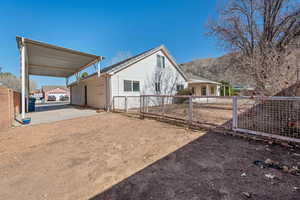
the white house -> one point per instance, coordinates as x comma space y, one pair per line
151, 72
200, 86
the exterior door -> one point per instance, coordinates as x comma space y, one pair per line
85, 95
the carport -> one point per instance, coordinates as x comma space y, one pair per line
42, 59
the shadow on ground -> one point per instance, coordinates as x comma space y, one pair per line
59, 106
211, 168
48, 107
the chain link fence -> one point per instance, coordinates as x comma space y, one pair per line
275, 117
128, 104
208, 111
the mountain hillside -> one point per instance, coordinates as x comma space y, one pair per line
217, 69
224, 69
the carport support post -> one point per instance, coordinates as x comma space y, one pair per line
23, 70
98, 68
27, 88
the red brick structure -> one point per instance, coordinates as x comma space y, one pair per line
55, 90
10, 106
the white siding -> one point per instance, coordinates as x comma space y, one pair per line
144, 72
96, 93
96, 90
77, 94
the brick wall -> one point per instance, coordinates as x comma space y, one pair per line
9, 107
16, 103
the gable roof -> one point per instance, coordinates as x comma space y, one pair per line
118, 65
198, 79
115, 68
47, 88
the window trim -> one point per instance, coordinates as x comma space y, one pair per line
193, 90
139, 87
203, 87
179, 87
131, 86
162, 60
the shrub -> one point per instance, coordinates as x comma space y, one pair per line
185, 91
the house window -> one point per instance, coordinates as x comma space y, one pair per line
193, 90
161, 61
157, 87
136, 86
203, 91
131, 86
212, 90
127, 86
179, 87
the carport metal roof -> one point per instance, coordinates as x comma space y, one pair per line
38, 58
49, 60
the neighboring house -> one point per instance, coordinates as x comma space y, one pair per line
244, 90
203, 87
37, 94
55, 90
151, 72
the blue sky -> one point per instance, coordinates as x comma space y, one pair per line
107, 28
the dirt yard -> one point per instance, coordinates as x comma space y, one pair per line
112, 157
213, 114
79, 158
214, 167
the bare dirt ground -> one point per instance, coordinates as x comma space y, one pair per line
79, 158
213, 167
110, 157
212, 113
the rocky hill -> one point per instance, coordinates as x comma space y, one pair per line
217, 69
224, 69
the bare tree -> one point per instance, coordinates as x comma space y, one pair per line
122, 55
11, 81
264, 34
164, 81
32, 85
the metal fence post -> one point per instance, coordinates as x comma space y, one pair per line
234, 112
141, 107
190, 110
141, 104
163, 105
113, 104
126, 106
147, 101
